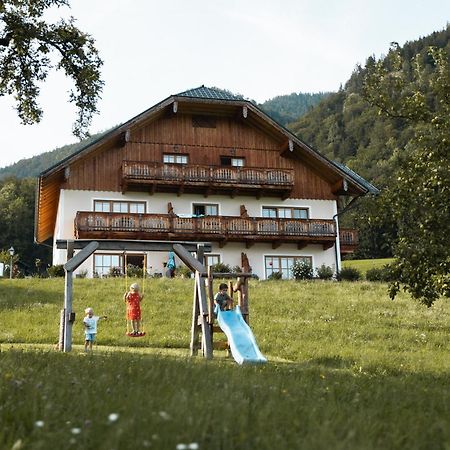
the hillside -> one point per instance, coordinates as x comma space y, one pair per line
344, 127
283, 108
289, 108
31, 167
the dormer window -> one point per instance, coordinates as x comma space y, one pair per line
233, 162
171, 158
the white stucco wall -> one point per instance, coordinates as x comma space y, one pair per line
72, 201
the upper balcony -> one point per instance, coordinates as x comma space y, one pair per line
222, 229
206, 180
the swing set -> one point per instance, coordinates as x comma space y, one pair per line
141, 326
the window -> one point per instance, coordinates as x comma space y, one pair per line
119, 207
204, 209
104, 263
285, 213
283, 264
169, 158
234, 162
211, 260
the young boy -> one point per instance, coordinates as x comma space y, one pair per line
222, 298
90, 328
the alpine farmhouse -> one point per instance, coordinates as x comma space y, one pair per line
202, 166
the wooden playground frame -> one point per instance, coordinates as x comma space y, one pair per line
203, 303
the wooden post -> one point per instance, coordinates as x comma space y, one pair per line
61, 330
195, 327
210, 292
68, 311
206, 330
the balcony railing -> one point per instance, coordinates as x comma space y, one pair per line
348, 239
98, 225
215, 178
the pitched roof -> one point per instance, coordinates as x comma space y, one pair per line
211, 93
369, 186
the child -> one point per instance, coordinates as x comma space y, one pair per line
133, 300
222, 298
90, 328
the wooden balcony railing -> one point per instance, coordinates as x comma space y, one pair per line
348, 239
98, 225
214, 178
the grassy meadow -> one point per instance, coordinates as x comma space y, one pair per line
363, 265
348, 369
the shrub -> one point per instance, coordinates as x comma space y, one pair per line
349, 274
236, 269
275, 276
382, 274
301, 270
56, 271
82, 274
115, 272
184, 271
134, 271
221, 268
325, 272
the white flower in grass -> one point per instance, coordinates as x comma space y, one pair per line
17, 445
164, 415
193, 446
113, 417
181, 446
39, 423
75, 430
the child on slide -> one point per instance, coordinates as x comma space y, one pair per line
222, 299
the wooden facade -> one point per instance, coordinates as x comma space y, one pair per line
103, 170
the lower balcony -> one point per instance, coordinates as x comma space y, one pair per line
222, 229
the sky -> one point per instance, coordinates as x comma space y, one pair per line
257, 48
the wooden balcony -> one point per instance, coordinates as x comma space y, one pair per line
222, 229
206, 180
349, 240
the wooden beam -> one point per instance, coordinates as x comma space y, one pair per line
188, 259
340, 186
249, 244
275, 244
327, 245
301, 244
132, 245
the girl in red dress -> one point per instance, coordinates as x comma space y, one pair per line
133, 300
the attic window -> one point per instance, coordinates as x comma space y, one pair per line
203, 121
230, 161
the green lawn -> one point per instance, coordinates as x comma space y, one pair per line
348, 369
363, 265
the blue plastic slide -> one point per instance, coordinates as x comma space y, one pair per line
242, 341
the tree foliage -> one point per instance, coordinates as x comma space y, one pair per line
30, 47
347, 128
17, 198
289, 108
418, 91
